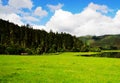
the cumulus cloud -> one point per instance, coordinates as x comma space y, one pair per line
39, 27
30, 18
7, 9
88, 22
117, 17
55, 7
40, 12
12, 11
21, 4
15, 10
100, 8
12, 18
91, 21
59, 21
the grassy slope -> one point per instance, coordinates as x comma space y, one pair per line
64, 68
106, 40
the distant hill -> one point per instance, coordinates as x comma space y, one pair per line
104, 42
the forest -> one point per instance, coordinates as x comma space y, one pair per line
24, 39
16, 39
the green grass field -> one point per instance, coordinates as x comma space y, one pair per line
62, 68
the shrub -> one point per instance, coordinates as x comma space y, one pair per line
76, 49
29, 51
14, 49
95, 49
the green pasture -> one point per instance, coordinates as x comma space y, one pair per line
59, 68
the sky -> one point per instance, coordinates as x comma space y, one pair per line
77, 17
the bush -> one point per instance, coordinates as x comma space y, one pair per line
60, 50
39, 50
85, 49
14, 49
29, 51
95, 49
10, 50
53, 49
108, 47
76, 49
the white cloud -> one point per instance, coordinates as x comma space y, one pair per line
87, 22
15, 10
100, 8
117, 17
12, 18
21, 4
59, 21
7, 9
9, 13
30, 18
91, 21
55, 7
40, 12
39, 27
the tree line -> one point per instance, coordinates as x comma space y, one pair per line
16, 39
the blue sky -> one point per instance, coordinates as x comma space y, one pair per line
78, 17
76, 6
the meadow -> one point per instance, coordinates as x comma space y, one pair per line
59, 68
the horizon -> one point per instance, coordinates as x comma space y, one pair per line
77, 18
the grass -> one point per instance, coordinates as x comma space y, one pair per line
110, 50
62, 68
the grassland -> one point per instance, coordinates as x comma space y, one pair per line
62, 68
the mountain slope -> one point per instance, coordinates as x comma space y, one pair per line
105, 42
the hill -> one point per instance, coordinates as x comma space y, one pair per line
104, 42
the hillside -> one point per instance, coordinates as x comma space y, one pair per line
105, 42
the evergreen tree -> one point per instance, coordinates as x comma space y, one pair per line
15, 39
